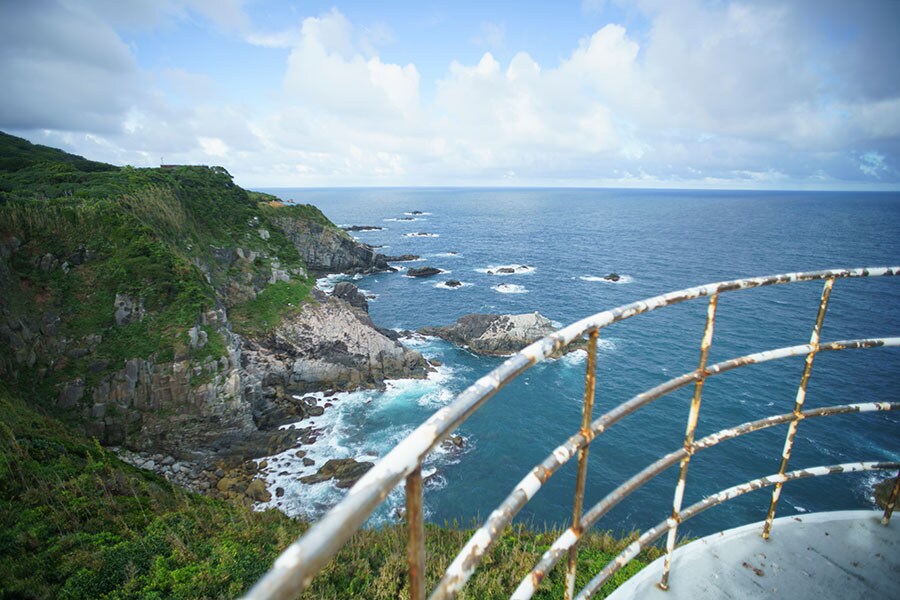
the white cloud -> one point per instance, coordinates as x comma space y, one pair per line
709, 93
327, 70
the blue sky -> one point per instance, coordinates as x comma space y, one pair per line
646, 93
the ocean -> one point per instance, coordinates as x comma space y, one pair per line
657, 241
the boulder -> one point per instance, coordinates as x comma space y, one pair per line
453, 283
350, 293
257, 491
612, 277
423, 272
346, 471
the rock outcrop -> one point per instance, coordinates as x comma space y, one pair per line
362, 228
423, 272
402, 258
497, 335
346, 471
328, 345
349, 293
330, 250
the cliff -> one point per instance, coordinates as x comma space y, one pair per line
170, 311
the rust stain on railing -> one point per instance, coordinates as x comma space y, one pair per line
693, 417
302, 560
798, 403
586, 415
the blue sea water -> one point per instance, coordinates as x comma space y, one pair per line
658, 241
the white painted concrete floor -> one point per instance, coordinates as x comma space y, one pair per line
822, 556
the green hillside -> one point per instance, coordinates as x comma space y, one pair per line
154, 234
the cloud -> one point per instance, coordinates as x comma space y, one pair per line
328, 70
62, 68
756, 94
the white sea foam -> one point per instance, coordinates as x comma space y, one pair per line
420, 234
339, 436
417, 214
402, 220
623, 279
578, 357
446, 255
509, 288
417, 340
400, 263
327, 283
516, 269
443, 285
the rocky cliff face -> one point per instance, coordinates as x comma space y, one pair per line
328, 345
495, 334
218, 392
330, 250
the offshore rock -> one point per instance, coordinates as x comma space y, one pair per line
423, 272
363, 228
496, 335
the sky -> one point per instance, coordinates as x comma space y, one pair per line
608, 93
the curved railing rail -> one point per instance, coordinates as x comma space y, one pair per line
302, 560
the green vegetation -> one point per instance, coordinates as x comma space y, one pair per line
260, 316
76, 522
175, 240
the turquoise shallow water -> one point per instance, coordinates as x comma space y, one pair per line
659, 241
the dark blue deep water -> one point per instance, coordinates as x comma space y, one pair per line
658, 241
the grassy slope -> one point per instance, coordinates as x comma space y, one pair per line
75, 522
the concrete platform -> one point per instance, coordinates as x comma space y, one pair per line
820, 556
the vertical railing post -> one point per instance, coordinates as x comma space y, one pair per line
590, 379
798, 405
892, 501
415, 524
693, 417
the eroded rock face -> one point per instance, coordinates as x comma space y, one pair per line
350, 293
128, 309
328, 250
329, 345
495, 334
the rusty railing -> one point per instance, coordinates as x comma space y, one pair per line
302, 560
